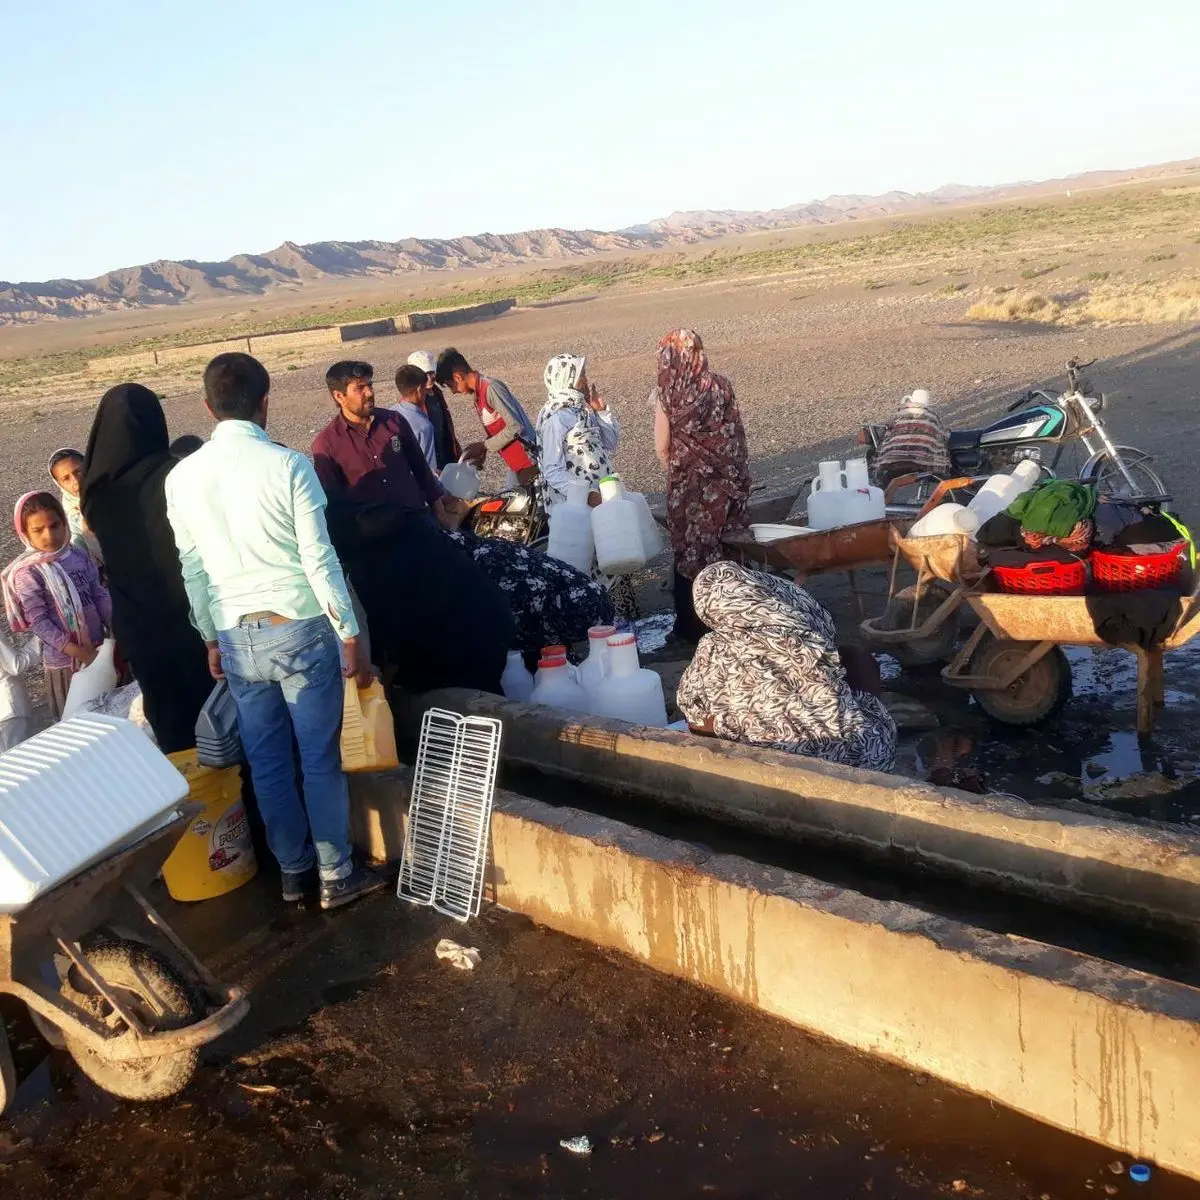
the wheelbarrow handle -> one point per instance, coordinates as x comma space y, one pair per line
946, 485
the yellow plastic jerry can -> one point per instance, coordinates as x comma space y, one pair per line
368, 733
215, 853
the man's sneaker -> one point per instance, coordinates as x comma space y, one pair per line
299, 884
360, 881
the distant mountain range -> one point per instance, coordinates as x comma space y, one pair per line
292, 266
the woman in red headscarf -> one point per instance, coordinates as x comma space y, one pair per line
700, 440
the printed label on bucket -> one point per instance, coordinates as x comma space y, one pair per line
230, 838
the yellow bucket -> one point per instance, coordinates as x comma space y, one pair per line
215, 854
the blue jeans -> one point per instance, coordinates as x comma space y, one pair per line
283, 678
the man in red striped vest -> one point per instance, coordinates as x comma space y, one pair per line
508, 430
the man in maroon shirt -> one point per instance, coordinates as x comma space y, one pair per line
369, 455
434, 616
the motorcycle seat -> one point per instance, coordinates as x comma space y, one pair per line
964, 439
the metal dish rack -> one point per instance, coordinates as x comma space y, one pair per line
445, 844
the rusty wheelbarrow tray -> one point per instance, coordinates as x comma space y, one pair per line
850, 548
1027, 630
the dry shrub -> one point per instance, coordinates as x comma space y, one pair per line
1153, 302
1030, 306
1140, 304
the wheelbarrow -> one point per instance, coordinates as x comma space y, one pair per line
133, 1011
920, 624
1014, 665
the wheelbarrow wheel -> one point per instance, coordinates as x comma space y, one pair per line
921, 652
146, 982
1034, 695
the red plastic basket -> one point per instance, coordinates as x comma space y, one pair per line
1120, 571
1048, 578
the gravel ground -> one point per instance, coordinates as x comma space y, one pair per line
808, 371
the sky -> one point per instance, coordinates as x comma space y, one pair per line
132, 131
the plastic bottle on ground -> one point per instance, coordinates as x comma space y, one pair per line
628, 690
555, 688
595, 666
516, 681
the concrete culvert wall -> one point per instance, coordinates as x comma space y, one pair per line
1124, 868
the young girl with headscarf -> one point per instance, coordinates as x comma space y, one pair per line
577, 437
53, 590
577, 432
66, 469
699, 439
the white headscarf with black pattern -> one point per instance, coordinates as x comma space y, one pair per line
586, 458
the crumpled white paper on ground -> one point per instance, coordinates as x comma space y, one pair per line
465, 958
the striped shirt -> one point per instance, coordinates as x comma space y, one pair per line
917, 440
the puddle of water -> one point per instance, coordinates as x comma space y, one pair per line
1102, 673
1121, 758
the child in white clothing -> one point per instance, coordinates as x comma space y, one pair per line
16, 713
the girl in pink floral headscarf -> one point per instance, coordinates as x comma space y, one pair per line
699, 438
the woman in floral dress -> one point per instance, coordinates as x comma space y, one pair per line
700, 440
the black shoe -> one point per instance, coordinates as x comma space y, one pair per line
360, 881
299, 884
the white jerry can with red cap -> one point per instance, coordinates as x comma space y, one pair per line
628, 690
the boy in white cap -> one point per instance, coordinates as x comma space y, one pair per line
446, 447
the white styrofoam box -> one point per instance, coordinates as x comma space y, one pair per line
74, 793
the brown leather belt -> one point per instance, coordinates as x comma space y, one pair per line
268, 618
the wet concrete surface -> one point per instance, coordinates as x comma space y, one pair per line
1090, 753
368, 1068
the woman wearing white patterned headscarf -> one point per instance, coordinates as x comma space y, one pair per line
577, 432
577, 437
771, 674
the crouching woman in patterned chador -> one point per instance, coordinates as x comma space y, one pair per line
771, 674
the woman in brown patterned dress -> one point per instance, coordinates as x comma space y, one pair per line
699, 438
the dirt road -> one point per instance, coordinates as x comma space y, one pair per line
370, 1069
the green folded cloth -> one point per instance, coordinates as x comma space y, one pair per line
1054, 508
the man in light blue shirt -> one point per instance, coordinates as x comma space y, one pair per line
269, 598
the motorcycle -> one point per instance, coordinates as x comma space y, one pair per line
515, 515
1041, 426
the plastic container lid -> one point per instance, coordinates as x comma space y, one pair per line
554, 652
1139, 1173
604, 632
550, 664
622, 639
